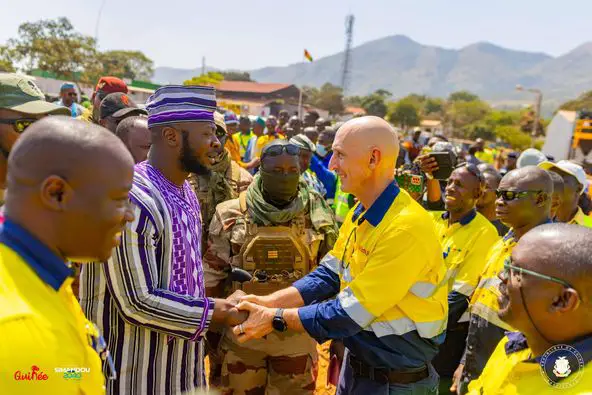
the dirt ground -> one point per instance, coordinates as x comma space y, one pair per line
322, 388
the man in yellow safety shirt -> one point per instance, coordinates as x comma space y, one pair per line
545, 294
524, 201
55, 213
466, 237
384, 270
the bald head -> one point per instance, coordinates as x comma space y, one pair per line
68, 185
365, 154
65, 147
529, 178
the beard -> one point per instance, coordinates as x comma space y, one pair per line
189, 161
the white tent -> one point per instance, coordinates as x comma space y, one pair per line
559, 134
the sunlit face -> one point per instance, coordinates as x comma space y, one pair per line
350, 163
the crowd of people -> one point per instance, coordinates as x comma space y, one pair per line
137, 239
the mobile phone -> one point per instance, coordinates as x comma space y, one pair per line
412, 183
446, 162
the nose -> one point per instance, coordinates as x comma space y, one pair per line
216, 142
333, 163
500, 201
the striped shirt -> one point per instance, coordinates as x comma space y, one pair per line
149, 299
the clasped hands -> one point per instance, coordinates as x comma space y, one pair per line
251, 316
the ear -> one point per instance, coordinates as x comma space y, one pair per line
56, 193
567, 301
540, 199
375, 157
171, 136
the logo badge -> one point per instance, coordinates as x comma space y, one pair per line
125, 100
562, 366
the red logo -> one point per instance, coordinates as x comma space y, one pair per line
125, 100
34, 375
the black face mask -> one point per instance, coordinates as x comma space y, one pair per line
280, 188
189, 161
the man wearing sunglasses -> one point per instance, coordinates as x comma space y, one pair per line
524, 202
544, 294
278, 230
69, 99
378, 288
21, 104
466, 237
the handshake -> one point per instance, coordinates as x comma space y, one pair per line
249, 316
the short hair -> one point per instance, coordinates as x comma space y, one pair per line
473, 149
126, 125
314, 114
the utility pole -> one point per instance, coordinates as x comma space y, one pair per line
345, 73
203, 65
537, 106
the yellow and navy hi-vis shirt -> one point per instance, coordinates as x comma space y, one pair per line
581, 219
512, 370
465, 244
385, 269
46, 342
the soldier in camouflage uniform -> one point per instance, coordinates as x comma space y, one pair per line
278, 230
225, 182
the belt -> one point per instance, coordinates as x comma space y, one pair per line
386, 375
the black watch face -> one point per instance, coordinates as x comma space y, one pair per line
279, 324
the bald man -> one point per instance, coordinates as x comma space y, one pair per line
524, 202
546, 295
134, 133
56, 213
384, 271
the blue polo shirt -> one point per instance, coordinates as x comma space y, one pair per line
385, 269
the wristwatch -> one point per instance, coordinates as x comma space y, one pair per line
278, 323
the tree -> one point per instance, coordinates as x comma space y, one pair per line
211, 78
5, 60
583, 102
236, 76
54, 46
433, 106
513, 136
330, 98
374, 104
462, 96
405, 113
463, 113
127, 64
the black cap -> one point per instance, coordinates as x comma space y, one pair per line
117, 105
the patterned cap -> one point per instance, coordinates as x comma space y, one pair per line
181, 103
230, 118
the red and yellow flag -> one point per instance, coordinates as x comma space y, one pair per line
307, 55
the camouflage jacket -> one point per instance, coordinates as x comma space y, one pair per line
238, 178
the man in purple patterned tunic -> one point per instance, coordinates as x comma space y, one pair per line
149, 300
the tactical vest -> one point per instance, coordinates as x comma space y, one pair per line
276, 256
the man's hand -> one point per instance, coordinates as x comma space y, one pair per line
227, 314
236, 297
456, 378
236, 316
260, 300
257, 325
427, 164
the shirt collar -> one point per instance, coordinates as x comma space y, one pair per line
512, 235
464, 220
48, 266
517, 342
378, 210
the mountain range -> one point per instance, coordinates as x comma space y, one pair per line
403, 66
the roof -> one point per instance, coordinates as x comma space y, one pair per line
354, 110
569, 115
430, 123
251, 87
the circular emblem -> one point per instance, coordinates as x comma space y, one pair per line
562, 366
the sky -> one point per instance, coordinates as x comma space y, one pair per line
243, 34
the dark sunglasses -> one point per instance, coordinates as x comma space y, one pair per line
508, 196
510, 269
19, 125
277, 150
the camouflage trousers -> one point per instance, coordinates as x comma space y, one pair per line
252, 372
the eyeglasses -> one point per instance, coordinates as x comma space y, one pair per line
19, 125
509, 268
277, 150
513, 195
